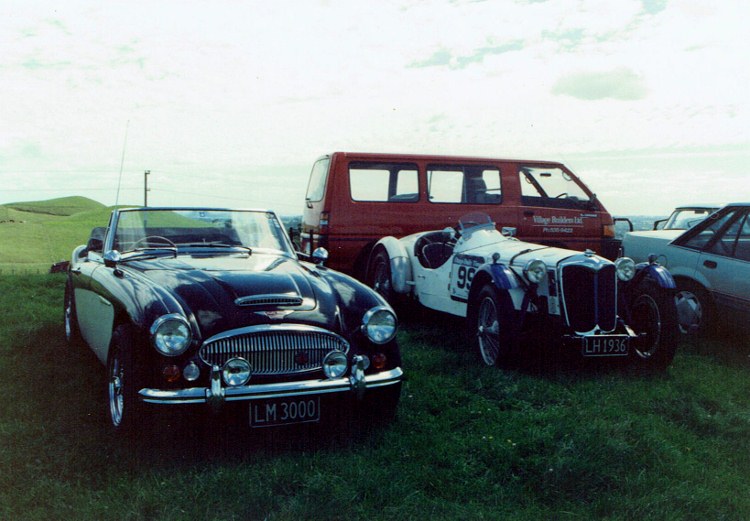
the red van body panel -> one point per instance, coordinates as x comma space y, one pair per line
355, 199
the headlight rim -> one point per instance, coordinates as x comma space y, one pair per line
367, 319
621, 275
160, 322
530, 266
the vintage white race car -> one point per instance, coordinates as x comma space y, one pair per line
513, 292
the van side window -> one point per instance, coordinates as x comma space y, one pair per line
464, 184
383, 182
551, 187
317, 185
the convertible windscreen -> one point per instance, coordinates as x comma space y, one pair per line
141, 229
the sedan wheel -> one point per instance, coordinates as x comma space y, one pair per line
692, 311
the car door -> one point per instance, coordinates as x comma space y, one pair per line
95, 313
725, 264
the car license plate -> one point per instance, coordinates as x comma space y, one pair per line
606, 345
270, 413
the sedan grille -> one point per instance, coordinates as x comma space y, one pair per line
589, 295
274, 349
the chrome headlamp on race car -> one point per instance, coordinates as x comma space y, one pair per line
379, 325
534, 271
170, 334
625, 268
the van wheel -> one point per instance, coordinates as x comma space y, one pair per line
379, 275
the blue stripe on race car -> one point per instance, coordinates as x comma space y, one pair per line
503, 276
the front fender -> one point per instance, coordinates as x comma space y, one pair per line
401, 272
656, 272
502, 276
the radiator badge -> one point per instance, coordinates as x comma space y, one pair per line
275, 315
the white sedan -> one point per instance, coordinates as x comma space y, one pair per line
511, 291
710, 263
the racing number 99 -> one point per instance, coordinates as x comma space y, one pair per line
465, 276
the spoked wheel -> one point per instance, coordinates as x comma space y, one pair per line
379, 275
654, 320
493, 326
123, 406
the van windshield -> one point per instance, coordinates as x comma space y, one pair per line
553, 187
317, 185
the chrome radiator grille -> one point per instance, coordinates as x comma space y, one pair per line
274, 349
589, 295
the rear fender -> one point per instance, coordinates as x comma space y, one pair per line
401, 272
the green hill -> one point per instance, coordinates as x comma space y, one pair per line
36, 234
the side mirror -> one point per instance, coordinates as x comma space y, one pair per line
319, 256
509, 231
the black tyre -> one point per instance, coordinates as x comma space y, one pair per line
70, 318
694, 308
491, 321
379, 275
654, 319
123, 407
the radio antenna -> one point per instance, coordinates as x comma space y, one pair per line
122, 162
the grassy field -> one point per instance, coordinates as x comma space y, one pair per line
550, 440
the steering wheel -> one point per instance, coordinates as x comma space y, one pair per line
564, 194
155, 238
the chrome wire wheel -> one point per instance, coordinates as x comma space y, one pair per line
488, 331
647, 320
116, 394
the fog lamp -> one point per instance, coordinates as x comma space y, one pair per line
191, 372
236, 371
334, 364
171, 373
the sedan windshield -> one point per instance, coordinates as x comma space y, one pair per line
144, 229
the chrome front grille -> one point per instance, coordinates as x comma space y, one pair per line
589, 295
276, 349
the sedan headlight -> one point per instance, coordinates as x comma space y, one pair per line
170, 334
379, 325
534, 271
625, 268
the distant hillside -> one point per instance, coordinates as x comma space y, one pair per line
59, 206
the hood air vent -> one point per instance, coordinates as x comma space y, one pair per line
268, 300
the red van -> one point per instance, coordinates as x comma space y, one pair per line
354, 199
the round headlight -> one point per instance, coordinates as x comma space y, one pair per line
625, 268
170, 334
379, 325
334, 364
534, 271
236, 371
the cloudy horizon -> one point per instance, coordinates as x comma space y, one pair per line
228, 104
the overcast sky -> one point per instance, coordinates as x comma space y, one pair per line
228, 103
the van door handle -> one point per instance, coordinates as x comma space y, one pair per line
528, 213
710, 264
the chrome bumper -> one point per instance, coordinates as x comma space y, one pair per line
217, 394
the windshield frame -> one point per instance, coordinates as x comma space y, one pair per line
285, 246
